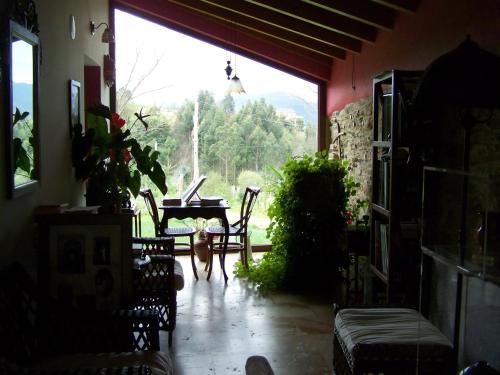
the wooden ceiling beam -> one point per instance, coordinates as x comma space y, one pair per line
259, 27
291, 24
407, 6
360, 10
320, 58
314, 15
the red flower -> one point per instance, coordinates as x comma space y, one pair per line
117, 121
348, 217
127, 156
112, 153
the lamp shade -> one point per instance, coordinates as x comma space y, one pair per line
235, 86
108, 36
467, 77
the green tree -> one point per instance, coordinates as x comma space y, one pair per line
228, 104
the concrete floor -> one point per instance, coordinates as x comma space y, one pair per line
219, 326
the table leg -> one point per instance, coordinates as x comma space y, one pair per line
193, 264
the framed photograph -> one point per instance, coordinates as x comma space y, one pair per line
74, 105
71, 254
102, 251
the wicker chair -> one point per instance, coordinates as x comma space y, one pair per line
176, 232
157, 281
42, 336
239, 230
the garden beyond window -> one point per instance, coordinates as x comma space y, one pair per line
235, 140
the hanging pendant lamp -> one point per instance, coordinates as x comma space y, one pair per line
235, 86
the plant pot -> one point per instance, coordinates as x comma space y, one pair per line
201, 249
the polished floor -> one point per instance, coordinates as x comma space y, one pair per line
219, 326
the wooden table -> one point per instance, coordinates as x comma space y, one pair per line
196, 210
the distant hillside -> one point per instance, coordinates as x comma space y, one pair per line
23, 97
308, 111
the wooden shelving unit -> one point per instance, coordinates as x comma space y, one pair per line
395, 201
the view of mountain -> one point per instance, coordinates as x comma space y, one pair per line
23, 93
278, 99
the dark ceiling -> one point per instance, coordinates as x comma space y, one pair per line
317, 32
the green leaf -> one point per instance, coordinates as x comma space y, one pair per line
158, 177
21, 159
18, 116
155, 155
135, 183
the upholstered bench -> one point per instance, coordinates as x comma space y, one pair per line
389, 341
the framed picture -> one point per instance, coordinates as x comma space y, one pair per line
74, 105
71, 254
102, 251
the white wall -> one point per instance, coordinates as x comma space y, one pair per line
62, 59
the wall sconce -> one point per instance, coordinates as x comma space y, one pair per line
107, 35
109, 71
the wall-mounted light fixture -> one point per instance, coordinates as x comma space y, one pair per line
107, 35
109, 71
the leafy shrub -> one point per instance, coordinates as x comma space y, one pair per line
308, 227
249, 178
215, 185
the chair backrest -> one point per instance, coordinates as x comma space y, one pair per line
149, 200
249, 199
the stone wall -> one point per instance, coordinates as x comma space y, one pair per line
355, 124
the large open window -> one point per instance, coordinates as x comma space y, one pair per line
199, 128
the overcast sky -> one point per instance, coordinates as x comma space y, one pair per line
22, 70
188, 65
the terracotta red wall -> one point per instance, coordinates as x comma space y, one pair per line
417, 39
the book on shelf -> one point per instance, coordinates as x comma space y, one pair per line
384, 247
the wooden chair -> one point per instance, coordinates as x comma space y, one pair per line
176, 232
239, 230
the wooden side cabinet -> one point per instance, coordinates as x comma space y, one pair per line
85, 259
395, 200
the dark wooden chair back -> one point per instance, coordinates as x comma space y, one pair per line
247, 204
150, 202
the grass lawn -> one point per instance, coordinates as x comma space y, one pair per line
258, 224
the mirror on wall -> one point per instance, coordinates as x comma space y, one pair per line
22, 127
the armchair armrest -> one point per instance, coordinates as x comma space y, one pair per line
95, 332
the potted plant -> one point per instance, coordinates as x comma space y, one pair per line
308, 227
201, 246
110, 161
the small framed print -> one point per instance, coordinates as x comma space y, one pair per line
102, 251
74, 105
71, 254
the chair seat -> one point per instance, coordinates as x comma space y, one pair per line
220, 231
179, 231
372, 338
